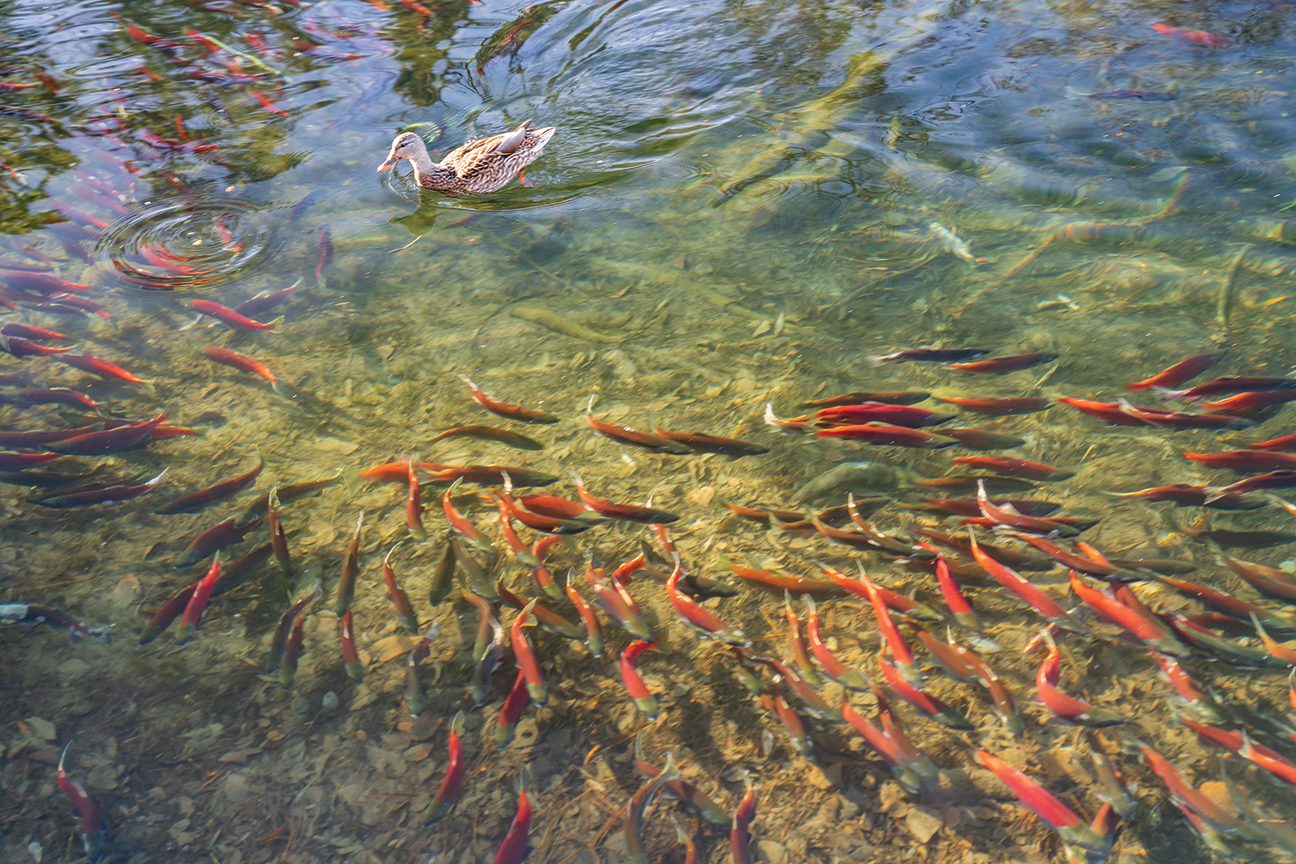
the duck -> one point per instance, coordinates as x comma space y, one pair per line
478, 167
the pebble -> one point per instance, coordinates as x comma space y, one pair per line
923, 824
772, 852
329, 702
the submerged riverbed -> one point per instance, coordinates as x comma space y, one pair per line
744, 205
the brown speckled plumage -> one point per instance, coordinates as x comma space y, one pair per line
475, 168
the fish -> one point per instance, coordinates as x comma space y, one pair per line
1111, 413
1192, 37
1052, 812
958, 604
31, 613
887, 434
29, 331
932, 355
1007, 515
278, 536
452, 782
626, 512
685, 840
1282, 444
740, 830
459, 523
698, 616
1283, 652
288, 623
1185, 796
1186, 495
52, 396
93, 829
983, 439
1015, 467
1098, 566
1068, 708
487, 474
902, 762
593, 630
21, 348
287, 492
895, 644
829, 662
1025, 590
506, 437
350, 656
524, 654
442, 579
1231, 384
790, 720
881, 412
1142, 95
1269, 581
199, 500
242, 362
1177, 374
615, 599
970, 507
997, 407
413, 503
1243, 539
197, 604
115, 440
701, 442
265, 301
1242, 461
345, 591
780, 583
511, 711
681, 789
894, 601
232, 318
400, 600
415, 700
113, 492
222, 534
516, 843
952, 243
507, 409
892, 397
642, 697
1003, 365
1241, 744
634, 437
1250, 403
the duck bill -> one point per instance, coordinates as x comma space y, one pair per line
389, 164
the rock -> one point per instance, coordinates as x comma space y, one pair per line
923, 824
772, 852
235, 787
41, 728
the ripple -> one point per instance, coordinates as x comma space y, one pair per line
177, 245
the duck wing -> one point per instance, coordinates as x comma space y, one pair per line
472, 156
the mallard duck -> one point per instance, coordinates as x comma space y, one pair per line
475, 168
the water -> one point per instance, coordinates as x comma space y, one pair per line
743, 204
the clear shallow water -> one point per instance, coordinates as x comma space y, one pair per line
743, 203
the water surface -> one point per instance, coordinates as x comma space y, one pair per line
744, 203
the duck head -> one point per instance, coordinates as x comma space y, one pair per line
406, 145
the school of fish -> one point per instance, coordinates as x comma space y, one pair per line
947, 570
